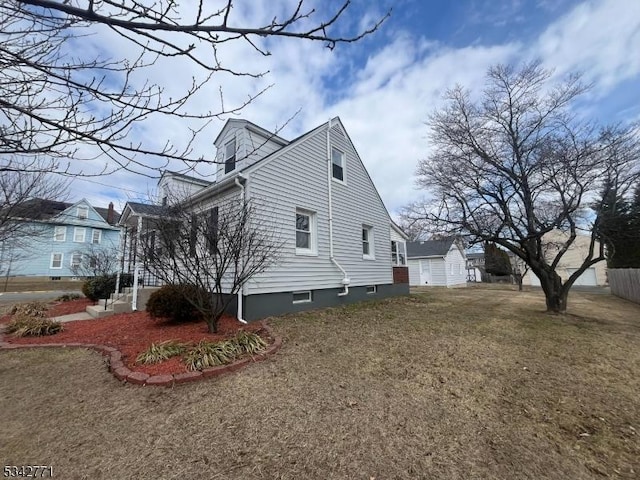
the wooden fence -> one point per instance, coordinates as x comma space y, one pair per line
625, 283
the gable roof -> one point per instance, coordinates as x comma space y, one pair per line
44, 209
254, 128
182, 176
429, 248
146, 209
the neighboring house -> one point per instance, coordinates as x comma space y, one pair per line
475, 266
57, 235
437, 263
295, 185
571, 260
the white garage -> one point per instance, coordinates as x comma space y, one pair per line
588, 277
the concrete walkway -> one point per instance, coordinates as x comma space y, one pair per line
72, 317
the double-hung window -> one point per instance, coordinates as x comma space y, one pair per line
397, 253
56, 260
60, 233
337, 164
305, 232
367, 243
76, 260
230, 156
83, 212
96, 236
79, 234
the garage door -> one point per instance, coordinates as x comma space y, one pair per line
588, 277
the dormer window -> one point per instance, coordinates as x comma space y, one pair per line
83, 212
230, 156
337, 161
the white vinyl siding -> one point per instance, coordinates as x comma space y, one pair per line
79, 234
96, 236
305, 187
60, 233
56, 261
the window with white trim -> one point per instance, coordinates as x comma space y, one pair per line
56, 260
79, 234
398, 253
305, 232
367, 243
60, 233
230, 156
83, 212
302, 297
76, 259
337, 164
371, 289
96, 236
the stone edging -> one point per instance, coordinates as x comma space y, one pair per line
121, 372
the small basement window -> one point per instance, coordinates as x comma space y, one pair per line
371, 289
302, 297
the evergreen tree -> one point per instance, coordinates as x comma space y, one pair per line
496, 260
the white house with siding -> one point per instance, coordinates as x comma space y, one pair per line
339, 244
437, 263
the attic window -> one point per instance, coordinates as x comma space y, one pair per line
83, 212
337, 163
230, 156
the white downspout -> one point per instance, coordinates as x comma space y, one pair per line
134, 301
242, 202
345, 280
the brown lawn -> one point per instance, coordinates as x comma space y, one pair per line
465, 383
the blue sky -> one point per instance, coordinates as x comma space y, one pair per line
384, 87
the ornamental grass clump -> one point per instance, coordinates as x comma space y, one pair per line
160, 352
212, 354
30, 309
249, 342
32, 326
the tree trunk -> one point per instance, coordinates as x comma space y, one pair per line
555, 294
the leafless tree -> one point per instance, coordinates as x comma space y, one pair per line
21, 197
215, 249
96, 261
516, 166
59, 96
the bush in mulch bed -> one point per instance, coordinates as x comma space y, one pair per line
133, 333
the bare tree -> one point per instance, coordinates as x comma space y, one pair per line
516, 166
215, 250
21, 197
96, 261
55, 99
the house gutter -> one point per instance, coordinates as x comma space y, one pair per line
345, 279
242, 202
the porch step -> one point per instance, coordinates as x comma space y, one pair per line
97, 311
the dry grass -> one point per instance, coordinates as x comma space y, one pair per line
466, 383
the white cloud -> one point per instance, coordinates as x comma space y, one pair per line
385, 103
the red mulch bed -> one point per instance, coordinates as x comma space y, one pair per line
132, 333
58, 309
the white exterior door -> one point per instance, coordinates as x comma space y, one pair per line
588, 277
425, 272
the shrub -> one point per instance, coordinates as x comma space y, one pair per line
33, 326
97, 288
171, 302
31, 309
162, 351
67, 297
